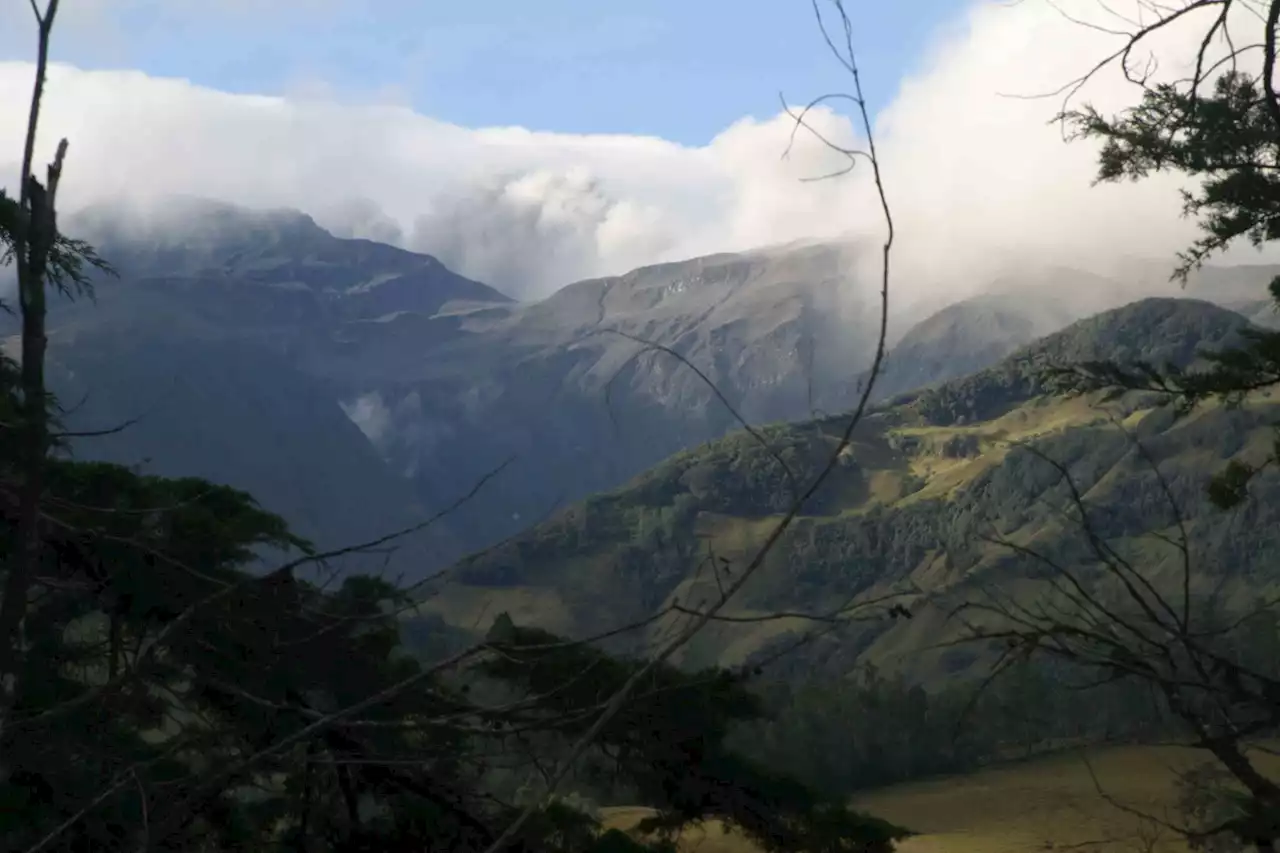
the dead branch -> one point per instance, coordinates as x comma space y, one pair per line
623, 694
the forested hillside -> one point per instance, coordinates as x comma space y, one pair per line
930, 483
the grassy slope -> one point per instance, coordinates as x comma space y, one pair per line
1041, 805
926, 480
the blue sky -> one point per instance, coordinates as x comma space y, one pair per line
680, 69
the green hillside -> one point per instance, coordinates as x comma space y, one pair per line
929, 480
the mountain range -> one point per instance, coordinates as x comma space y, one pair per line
358, 388
945, 495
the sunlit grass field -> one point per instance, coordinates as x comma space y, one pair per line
1041, 805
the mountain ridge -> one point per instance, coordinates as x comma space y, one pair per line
912, 502
448, 380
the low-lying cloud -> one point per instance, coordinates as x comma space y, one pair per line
979, 183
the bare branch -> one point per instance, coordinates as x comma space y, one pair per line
619, 699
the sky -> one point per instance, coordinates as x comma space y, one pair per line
671, 68
533, 144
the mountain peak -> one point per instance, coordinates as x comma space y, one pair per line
227, 268
1156, 330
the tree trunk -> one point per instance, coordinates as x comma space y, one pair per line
35, 236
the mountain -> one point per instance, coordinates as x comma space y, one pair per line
199, 346
1156, 331
237, 413
274, 274
449, 380
928, 480
965, 337
571, 392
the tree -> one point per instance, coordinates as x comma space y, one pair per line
30, 239
1218, 126
168, 699
1110, 616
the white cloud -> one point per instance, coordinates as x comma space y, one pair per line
978, 182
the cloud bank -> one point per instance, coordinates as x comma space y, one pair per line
979, 183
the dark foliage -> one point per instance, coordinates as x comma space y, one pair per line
1226, 140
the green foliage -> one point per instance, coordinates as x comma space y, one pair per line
670, 743
1229, 487
869, 729
1226, 141
737, 475
71, 263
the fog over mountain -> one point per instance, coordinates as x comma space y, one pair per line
383, 377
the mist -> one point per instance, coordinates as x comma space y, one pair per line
981, 184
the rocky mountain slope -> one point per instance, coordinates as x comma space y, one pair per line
200, 346
931, 483
236, 412
448, 380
